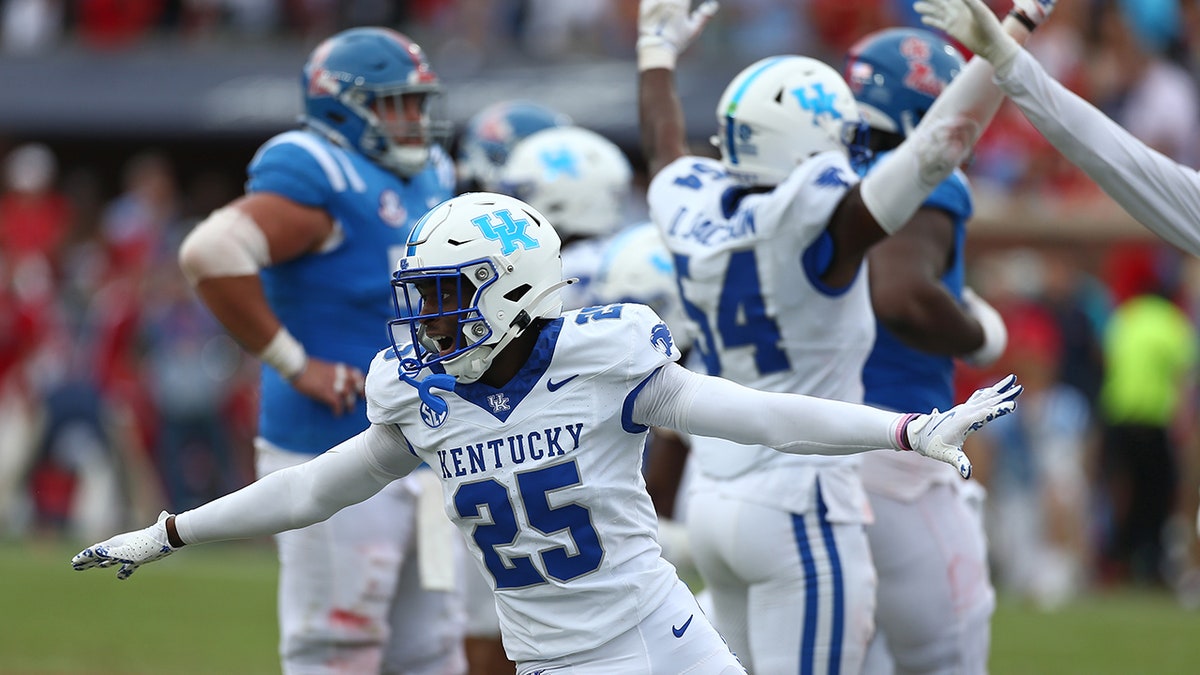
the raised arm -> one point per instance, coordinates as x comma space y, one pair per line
680, 399
1160, 193
665, 28
284, 500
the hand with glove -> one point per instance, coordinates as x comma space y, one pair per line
130, 550
666, 28
973, 24
995, 334
940, 435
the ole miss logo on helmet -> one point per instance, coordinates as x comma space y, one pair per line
321, 82
921, 75
421, 73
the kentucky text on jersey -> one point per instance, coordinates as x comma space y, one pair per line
518, 449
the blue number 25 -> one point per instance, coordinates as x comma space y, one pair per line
534, 488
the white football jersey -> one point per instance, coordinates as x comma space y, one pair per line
543, 477
744, 260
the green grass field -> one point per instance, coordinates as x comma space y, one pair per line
212, 610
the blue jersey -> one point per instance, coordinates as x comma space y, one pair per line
896, 376
336, 302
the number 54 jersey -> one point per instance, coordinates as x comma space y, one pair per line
543, 477
749, 262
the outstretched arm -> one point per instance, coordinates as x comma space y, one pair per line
665, 28
680, 399
285, 500
1160, 193
898, 185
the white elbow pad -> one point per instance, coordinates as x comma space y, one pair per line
902, 181
226, 244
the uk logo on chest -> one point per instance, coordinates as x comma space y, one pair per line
499, 402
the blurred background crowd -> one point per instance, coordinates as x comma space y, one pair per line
121, 395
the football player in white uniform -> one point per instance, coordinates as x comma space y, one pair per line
535, 421
769, 245
582, 182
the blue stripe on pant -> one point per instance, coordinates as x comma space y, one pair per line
812, 588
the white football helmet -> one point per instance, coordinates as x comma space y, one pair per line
780, 111
496, 267
637, 267
578, 178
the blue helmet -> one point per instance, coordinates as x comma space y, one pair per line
896, 74
354, 83
491, 134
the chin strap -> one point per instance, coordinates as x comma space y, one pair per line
425, 387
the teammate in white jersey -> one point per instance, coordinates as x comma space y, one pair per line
534, 420
769, 245
582, 182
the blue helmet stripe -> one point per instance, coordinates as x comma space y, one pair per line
733, 104
415, 235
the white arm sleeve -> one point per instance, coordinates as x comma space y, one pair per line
1159, 192
680, 399
306, 493
902, 181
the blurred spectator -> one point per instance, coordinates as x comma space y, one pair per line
116, 24
839, 24
1038, 489
189, 362
29, 27
1133, 81
35, 217
562, 28
1080, 304
22, 324
1150, 353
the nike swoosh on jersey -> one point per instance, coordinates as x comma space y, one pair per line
555, 386
678, 632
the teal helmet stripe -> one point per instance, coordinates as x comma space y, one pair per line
733, 104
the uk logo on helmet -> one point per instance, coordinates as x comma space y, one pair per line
508, 231
819, 103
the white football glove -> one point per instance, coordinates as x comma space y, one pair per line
130, 550
995, 334
940, 435
666, 28
973, 24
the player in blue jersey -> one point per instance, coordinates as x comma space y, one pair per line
934, 598
770, 244
292, 270
534, 420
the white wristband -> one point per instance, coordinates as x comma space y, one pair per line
654, 52
285, 354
